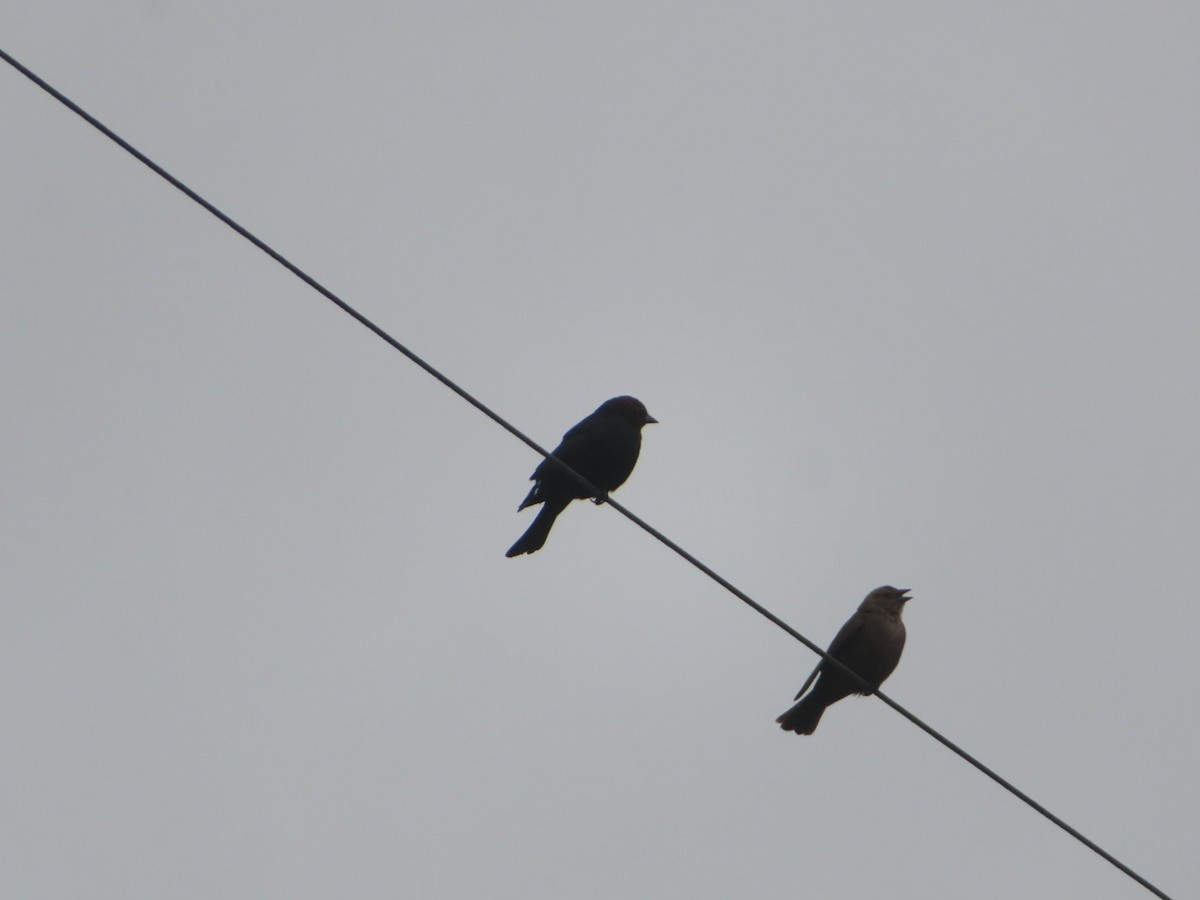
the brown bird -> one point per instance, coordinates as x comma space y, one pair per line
869, 644
603, 448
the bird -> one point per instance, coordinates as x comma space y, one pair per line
603, 448
869, 644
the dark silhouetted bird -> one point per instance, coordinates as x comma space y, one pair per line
602, 448
869, 644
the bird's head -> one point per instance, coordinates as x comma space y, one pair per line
886, 599
628, 408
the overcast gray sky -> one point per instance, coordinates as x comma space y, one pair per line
912, 289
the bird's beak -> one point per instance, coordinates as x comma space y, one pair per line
905, 591
650, 420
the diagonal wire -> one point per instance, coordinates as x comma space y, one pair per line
602, 498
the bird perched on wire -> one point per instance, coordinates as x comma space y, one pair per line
869, 644
602, 448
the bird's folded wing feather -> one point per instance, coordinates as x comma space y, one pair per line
844, 635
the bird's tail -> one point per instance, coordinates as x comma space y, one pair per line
535, 536
803, 717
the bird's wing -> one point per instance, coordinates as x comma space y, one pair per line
840, 640
581, 428
809, 680
574, 445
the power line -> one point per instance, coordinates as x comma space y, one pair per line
513, 430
